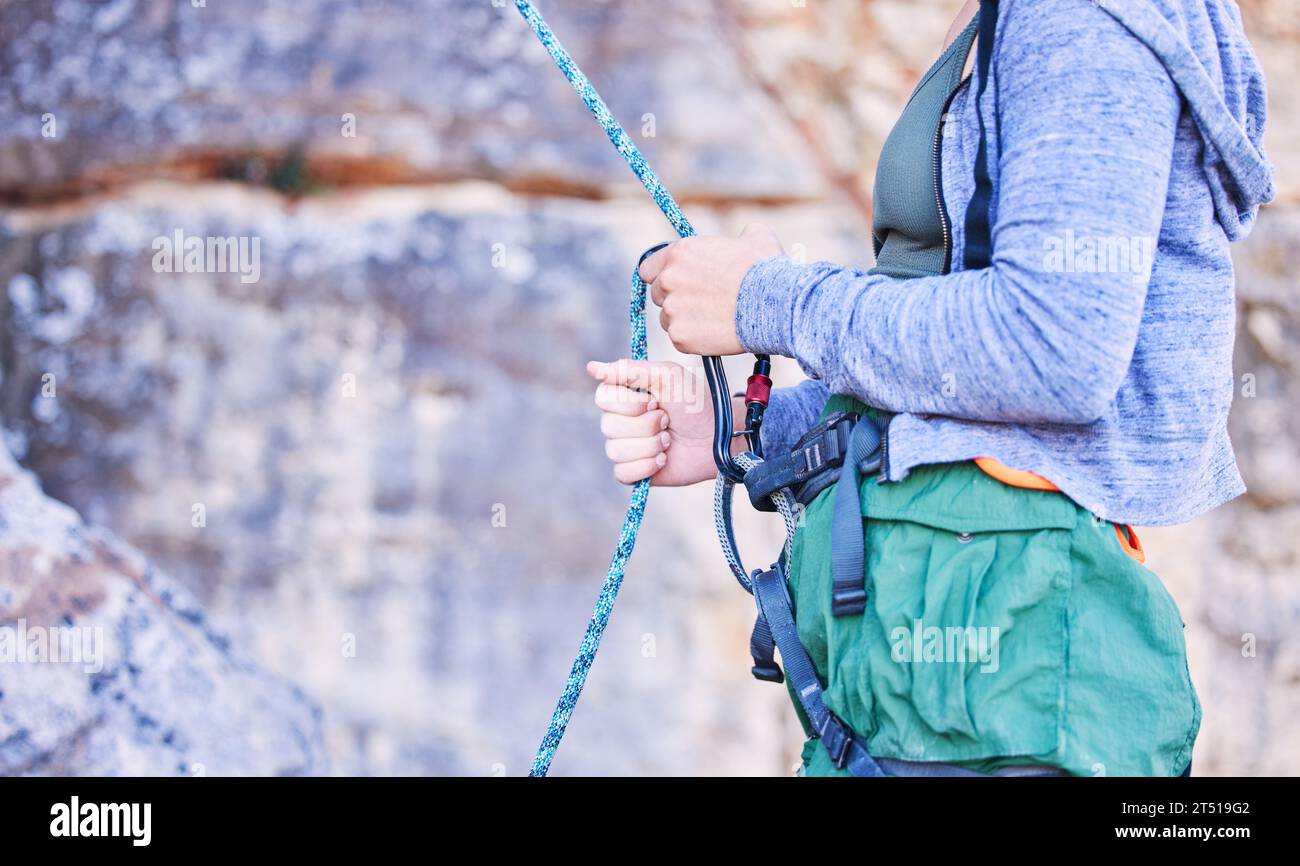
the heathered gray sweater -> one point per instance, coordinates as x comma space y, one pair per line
1096, 350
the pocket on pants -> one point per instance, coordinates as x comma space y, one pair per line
976, 646
1132, 708
961, 652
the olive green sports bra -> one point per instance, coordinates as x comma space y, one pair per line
910, 233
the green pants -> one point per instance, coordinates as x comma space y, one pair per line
1003, 626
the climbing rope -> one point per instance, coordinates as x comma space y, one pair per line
636, 509
613, 580
601, 112
731, 470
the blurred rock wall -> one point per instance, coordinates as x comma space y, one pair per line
374, 473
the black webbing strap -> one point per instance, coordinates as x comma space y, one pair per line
807, 469
978, 250
846, 749
848, 530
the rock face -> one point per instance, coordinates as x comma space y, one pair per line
369, 457
432, 90
136, 681
387, 442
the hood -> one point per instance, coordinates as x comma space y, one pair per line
1203, 46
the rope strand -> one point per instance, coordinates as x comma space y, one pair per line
613, 580
620, 139
636, 509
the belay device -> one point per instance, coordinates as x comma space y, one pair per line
843, 447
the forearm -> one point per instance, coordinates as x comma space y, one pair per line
970, 345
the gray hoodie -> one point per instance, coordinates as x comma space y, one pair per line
1096, 350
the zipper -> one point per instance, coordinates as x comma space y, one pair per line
937, 166
938, 177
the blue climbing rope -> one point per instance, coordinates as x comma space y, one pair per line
636, 509
613, 579
601, 112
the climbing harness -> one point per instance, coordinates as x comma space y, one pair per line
843, 449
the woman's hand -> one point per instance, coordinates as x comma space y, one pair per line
657, 421
695, 282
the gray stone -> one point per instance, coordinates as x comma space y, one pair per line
153, 688
406, 505
436, 90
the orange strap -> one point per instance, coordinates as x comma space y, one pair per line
1014, 477
1129, 541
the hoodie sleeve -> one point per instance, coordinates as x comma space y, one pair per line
1086, 123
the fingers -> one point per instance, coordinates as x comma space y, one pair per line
634, 425
632, 374
653, 269
645, 375
613, 426
633, 387
630, 473
630, 450
636, 445
624, 401
653, 264
658, 291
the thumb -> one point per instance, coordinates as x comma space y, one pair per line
626, 372
620, 372
662, 379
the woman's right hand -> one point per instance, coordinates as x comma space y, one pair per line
657, 422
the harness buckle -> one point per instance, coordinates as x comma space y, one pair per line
836, 738
806, 469
849, 602
812, 460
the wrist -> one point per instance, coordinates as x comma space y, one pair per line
765, 305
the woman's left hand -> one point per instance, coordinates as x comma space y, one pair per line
695, 282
